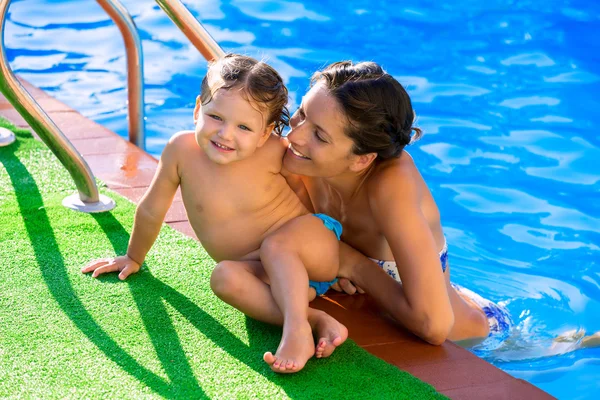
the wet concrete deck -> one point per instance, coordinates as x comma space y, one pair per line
452, 370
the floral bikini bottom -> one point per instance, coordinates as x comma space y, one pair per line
498, 316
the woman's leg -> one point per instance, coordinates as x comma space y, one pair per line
244, 285
301, 249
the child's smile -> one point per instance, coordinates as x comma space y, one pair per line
221, 147
229, 127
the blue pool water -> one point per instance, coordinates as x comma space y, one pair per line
506, 91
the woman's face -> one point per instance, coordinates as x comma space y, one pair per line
318, 145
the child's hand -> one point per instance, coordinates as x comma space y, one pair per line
125, 265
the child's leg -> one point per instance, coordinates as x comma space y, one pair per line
242, 284
301, 249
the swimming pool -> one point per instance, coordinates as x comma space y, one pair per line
505, 91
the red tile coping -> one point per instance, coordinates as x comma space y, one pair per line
128, 170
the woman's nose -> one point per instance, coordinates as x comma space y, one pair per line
298, 134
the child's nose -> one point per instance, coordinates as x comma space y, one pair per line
226, 131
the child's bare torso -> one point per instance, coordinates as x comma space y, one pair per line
233, 207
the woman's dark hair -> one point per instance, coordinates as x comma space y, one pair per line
258, 80
378, 109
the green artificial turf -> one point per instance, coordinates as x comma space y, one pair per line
160, 333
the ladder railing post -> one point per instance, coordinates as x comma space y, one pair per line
51, 135
192, 29
135, 69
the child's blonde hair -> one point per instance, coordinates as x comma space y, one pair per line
258, 80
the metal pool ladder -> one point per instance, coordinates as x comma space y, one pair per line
88, 198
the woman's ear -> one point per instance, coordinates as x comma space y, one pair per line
362, 162
197, 109
266, 134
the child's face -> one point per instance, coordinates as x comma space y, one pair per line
230, 128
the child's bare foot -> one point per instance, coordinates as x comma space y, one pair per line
295, 349
329, 332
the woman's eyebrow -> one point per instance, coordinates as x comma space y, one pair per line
319, 127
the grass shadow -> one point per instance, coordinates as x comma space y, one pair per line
54, 273
152, 296
149, 293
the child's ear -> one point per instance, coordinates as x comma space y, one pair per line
266, 134
197, 109
362, 162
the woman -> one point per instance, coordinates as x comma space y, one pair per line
346, 149
346, 159
347, 142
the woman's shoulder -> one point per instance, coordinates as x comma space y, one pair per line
269, 155
394, 175
394, 186
272, 149
277, 143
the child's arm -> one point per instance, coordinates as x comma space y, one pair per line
149, 217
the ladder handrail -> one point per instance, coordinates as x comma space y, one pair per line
192, 29
50, 134
135, 68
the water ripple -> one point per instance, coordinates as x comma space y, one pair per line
576, 158
520, 102
542, 238
450, 155
423, 91
277, 11
573, 77
489, 200
537, 59
432, 125
551, 118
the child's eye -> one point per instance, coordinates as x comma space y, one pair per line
215, 117
244, 128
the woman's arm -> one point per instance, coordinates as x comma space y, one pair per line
421, 302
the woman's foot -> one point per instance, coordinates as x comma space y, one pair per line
329, 333
295, 349
591, 341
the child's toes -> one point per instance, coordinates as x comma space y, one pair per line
269, 358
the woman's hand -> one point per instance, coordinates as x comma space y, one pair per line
123, 264
344, 285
